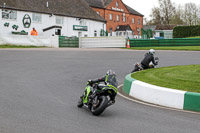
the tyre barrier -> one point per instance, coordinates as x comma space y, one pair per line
160, 95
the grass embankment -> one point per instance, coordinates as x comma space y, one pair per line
186, 48
185, 78
15, 46
194, 37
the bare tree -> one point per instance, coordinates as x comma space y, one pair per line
191, 14
167, 10
198, 16
168, 13
155, 15
164, 13
177, 18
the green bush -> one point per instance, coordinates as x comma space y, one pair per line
186, 31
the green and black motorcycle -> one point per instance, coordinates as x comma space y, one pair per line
97, 100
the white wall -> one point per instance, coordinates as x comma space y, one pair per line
91, 42
157, 95
25, 40
47, 21
168, 34
157, 34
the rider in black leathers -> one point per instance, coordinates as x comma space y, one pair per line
109, 81
149, 57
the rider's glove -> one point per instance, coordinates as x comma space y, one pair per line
90, 82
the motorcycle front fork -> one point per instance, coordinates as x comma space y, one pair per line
95, 101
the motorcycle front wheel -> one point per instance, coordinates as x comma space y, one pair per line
80, 102
98, 109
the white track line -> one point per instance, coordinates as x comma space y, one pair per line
152, 105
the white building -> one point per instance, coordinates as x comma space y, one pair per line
50, 18
161, 31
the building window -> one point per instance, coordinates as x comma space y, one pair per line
110, 16
118, 18
95, 33
110, 31
133, 20
124, 17
37, 18
59, 20
117, 33
138, 29
79, 34
117, 4
9, 14
83, 22
138, 21
58, 32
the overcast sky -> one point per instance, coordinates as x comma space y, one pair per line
144, 6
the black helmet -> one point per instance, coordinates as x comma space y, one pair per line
110, 72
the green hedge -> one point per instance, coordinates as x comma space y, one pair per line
186, 31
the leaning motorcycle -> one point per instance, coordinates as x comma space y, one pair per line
138, 66
96, 100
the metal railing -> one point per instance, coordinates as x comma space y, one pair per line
164, 42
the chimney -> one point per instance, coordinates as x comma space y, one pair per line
4, 5
103, 2
47, 4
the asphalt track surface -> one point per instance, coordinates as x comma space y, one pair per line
39, 89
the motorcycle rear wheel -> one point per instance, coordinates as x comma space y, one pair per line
103, 103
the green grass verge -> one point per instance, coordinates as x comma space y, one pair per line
186, 48
185, 78
15, 46
194, 37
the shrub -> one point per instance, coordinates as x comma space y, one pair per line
186, 31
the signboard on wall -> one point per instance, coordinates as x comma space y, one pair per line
80, 28
117, 9
26, 21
